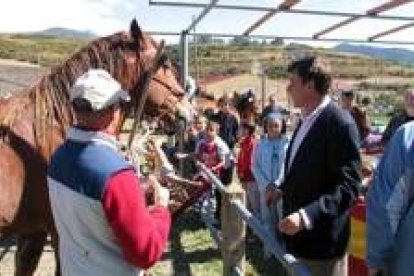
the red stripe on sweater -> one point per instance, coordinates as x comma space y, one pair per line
142, 234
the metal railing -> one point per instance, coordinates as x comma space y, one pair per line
231, 239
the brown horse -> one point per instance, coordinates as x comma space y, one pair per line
33, 123
244, 105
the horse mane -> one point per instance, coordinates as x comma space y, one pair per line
50, 94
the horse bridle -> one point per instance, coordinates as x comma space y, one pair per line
166, 85
146, 76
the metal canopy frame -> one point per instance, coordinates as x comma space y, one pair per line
287, 7
374, 11
287, 4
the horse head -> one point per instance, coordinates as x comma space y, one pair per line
127, 56
167, 100
246, 105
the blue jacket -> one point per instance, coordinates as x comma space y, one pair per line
267, 162
390, 211
78, 176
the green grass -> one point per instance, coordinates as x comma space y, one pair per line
45, 51
383, 119
192, 251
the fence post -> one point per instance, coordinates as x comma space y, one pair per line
233, 231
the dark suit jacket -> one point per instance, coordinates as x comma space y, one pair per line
324, 180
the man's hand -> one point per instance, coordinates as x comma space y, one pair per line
375, 272
214, 169
291, 224
272, 194
161, 194
180, 155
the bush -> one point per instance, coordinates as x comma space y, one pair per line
276, 72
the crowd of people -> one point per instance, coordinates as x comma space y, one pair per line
300, 185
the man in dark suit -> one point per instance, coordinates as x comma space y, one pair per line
322, 173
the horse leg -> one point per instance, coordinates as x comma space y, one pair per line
29, 250
55, 245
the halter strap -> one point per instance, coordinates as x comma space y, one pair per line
147, 75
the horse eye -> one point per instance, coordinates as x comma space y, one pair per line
163, 60
133, 46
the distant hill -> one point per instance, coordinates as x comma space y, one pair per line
402, 56
65, 33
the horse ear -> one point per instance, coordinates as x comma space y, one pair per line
135, 30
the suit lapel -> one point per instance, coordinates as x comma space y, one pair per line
289, 149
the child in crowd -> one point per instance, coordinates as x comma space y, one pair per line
199, 127
215, 154
244, 162
267, 167
211, 151
194, 134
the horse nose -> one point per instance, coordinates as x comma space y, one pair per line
185, 110
183, 113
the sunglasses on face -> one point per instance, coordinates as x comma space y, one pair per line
348, 94
273, 125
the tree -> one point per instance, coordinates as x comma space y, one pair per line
240, 40
365, 101
205, 39
277, 41
218, 41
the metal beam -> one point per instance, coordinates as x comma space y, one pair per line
372, 12
287, 4
206, 10
387, 6
289, 11
336, 26
390, 31
289, 262
298, 38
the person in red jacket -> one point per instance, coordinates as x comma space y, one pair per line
244, 165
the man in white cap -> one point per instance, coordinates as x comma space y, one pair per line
104, 225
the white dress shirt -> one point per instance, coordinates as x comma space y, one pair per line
307, 123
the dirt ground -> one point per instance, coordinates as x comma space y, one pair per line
46, 265
15, 75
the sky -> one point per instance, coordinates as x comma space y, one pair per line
104, 17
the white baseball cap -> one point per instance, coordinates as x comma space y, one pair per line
99, 88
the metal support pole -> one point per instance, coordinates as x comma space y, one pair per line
184, 74
263, 75
184, 56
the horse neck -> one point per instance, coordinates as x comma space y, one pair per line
50, 95
52, 113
